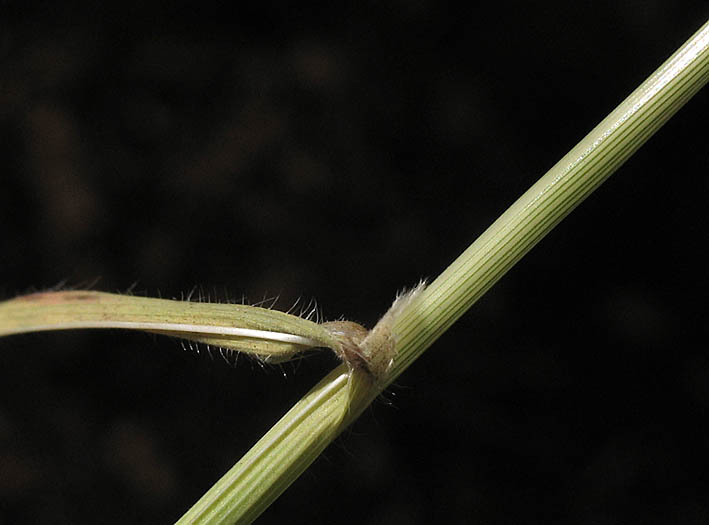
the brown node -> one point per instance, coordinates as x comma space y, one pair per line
350, 336
373, 350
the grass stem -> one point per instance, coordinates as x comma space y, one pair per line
299, 437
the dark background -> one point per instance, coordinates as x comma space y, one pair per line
343, 153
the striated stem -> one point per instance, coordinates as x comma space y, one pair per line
299, 437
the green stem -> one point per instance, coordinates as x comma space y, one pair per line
299, 437
553, 197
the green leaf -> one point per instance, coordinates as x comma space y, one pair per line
270, 335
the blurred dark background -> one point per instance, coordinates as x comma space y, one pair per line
343, 153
